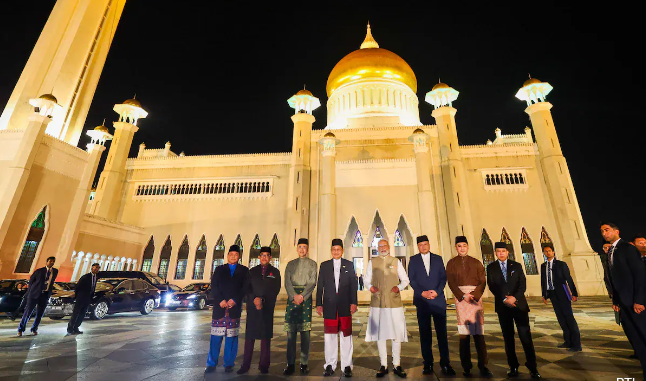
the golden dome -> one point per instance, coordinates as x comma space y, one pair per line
419, 131
49, 97
329, 135
370, 61
304, 92
132, 102
102, 128
440, 85
531, 81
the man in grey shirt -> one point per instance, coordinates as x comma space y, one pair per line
300, 280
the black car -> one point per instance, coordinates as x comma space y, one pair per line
11, 294
111, 295
195, 295
64, 286
148, 277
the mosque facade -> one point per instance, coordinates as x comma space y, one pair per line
373, 172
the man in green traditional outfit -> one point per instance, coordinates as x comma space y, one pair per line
300, 280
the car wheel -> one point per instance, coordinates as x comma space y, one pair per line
201, 304
148, 306
100, 310
172, 308
56, 317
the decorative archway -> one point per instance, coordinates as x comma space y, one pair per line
486, 247
403, 249
238, 242
275, 251
254, 252
545, 240
164, 258
218, 253
32, 243
182, 259
149, 254
200, 259
504, 237
529, 258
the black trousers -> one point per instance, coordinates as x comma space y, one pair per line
465, 351
507, 317
33, 304
426, 336
80, 309
291, 347
635, 328
565, 317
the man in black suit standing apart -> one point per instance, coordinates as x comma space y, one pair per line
40, 288
557, 286
626, 273
83, 294
507, 283
336, 300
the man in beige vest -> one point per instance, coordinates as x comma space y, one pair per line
385, 278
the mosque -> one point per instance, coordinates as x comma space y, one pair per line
373, 172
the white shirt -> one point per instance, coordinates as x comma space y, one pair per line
401, 272
550, 274
426, 258
337, 272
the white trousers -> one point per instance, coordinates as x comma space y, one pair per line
332, 350
383, 352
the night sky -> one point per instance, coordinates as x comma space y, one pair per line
215, 76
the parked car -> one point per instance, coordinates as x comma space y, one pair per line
148, 277
11, 294
64, 286
111, 295
195, 295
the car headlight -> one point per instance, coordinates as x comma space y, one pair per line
192, 296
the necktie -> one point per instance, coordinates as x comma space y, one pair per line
504, 270
47, 280
93, 282
550, 286
610, 251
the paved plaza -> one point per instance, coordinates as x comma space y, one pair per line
173, 345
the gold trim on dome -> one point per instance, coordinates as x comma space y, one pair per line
440, 86
304, 92
531, 81
132, 102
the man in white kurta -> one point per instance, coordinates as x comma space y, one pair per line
385, 278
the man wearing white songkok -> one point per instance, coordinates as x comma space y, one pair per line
385, 278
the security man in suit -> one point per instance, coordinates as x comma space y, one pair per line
557, 286
41, 284
626, 273
428, 278
507, 283
83, 297
336, 300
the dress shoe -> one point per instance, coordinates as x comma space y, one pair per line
328, 371
263, 370
428, 369
289, 370
347, 372
513, 372
382, 372
575, 349
485, 373
466, 372
564, 345
304, 369
534, 374
77, 332
34, 333
448, 370
19, 334
398, 370
633, 356
243, 370
209, 369
228, 369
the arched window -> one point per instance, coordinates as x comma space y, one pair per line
218, 253
486, 246
504, 237
149, 253
238, 242
399, 240
529, 258
375, 242
182, 258
275, 251
29, 248
164, 258
358, 239
545, 240
254, 252
200, 259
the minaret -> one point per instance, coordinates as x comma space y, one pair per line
108, 192
456, 195
68, 56
327, 205
298, 200
572, 240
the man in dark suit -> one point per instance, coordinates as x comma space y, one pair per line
40, 288
428, 278
507, 283
227, 289
262, 287
336, 300
626, 273
557, 286
83, 296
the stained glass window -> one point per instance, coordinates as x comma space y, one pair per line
358, 239
218, 253
254, 252
529, 258
146, 264
182, 259
163, 268
486, 246
399, 240
164, 258
545, 239
504, 237
375, 241
29, 248
275, 252
200, 259
238, 242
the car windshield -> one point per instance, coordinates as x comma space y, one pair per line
6, 285
155, 279
196, 287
